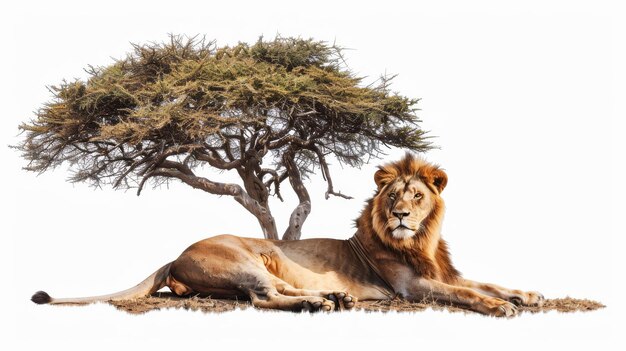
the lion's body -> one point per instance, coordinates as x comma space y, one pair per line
243, 265
404, 255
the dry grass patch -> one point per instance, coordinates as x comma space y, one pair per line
209, 305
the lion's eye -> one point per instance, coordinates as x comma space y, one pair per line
392, 196
418, 195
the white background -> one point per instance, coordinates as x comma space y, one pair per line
524, 100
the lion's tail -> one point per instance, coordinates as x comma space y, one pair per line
149, 286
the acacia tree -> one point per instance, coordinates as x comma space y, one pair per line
270, 111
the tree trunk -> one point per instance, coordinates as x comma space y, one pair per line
301, 212
257, 191
263, 215
296, 220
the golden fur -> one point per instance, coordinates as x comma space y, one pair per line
399, 230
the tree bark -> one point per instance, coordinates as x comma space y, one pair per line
257, 190
301, 212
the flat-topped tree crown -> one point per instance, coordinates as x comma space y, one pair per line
271, 111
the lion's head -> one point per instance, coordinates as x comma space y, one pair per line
407, 204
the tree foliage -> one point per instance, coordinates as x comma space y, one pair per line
271, 111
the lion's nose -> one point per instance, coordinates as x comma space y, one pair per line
400, 214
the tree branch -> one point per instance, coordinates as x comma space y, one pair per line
326, 175
130, 169
276, 180
308, 113
289, 139
216, 162
182, 172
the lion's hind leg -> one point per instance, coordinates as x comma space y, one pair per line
271, 292
271, 299
342, 299
177, 287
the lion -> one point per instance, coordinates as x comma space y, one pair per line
397, 251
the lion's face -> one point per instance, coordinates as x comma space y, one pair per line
407, 198
405, 205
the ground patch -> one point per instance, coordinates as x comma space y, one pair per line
209, 305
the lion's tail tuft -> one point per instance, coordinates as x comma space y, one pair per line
41, 298
148, 286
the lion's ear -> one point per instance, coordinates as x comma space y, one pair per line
382, 177
439, 180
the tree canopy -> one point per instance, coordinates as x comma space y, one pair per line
271, 111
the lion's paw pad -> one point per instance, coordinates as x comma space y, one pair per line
342, 300
317, 304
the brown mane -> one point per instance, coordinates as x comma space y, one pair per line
426, 252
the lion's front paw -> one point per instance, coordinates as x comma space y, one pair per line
343, 300
498, 308
530, 298
316, 304
534, 298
